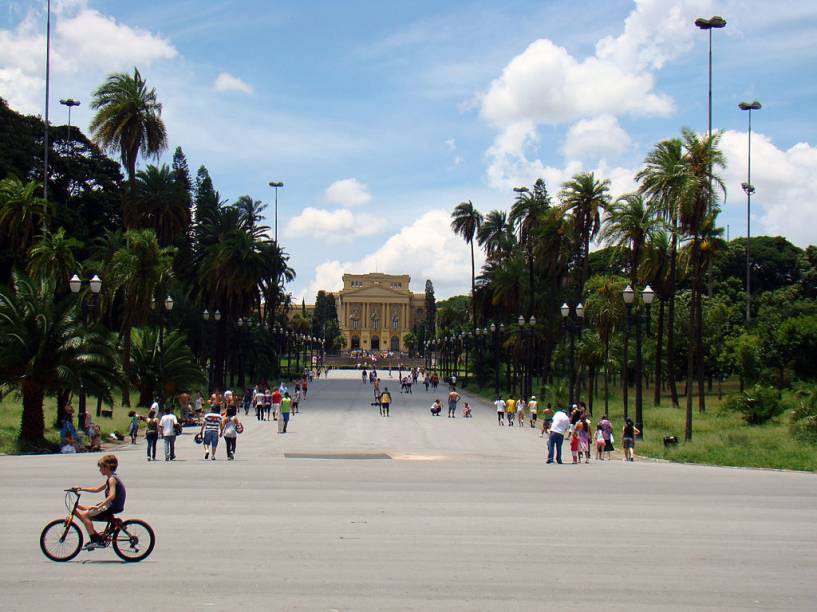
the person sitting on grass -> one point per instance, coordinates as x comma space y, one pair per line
114, 502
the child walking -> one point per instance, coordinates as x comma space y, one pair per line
574, 446
599, 443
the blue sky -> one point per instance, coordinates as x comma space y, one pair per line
381, 117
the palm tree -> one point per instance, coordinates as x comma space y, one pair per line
45, 347
662, 180
54, 256
163, 369
655, 269
526, 216
586, 198
496, 236
159, 204
22, 213
699, 202
128, 121
605, 310
466, 221
136, 271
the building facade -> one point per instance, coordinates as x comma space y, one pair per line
376, 311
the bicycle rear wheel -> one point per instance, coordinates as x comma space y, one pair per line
134, 540
61, 543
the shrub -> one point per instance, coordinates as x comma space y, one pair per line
757, 405
804, 415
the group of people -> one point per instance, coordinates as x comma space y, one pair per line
71, 440
577, 427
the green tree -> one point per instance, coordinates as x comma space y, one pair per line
161, 205
527, 215
162, 369
45, 347
54, 255
137, 270
465, 222
128, 121
586, 198
605, 311
496, 236
22, 213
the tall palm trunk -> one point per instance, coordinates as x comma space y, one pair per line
473, 288
692, 336
32, 422
699, 339
126, 350
607, 375
659, 340
673, 254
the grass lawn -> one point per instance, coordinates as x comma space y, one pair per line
719, 437
11, 409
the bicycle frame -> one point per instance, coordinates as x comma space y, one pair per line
111, 527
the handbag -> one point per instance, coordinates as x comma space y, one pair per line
239, 428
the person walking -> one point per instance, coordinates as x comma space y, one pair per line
582, 429
607, 428
296, 400
258, 400
510, 410
385, 402
500, 410
211, 430
167, 429
286, 408
533, 407
628, 434
151, 434
453, 398
133, 426
599, 443
230, 429
557, 430
520, 412
268, 400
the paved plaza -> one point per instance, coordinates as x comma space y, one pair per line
463, 515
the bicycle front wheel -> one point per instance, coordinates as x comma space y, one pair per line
134, 540
61, 542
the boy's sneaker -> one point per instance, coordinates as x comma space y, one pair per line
94, 544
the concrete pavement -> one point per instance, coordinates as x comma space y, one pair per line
464, 516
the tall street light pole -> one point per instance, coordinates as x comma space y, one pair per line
75, 284
275, 185
573, 326
749, 189
638, 318
70, 103
47, 92
716, 22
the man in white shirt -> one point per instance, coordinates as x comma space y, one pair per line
500, 410
167, 428
558, 428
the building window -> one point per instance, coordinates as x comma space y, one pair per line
355, 324
395, 322
375, 323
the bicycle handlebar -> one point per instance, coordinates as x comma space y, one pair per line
72, 490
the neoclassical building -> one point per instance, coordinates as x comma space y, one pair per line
376, 311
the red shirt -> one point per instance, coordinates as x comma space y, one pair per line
276, 397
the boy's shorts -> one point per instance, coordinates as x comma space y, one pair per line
211, 438
101, 514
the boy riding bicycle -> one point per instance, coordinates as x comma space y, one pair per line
114, 502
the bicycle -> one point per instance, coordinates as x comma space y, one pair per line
62, 539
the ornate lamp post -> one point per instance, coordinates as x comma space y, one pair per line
75, 284
637, 318
526, 332
573, 325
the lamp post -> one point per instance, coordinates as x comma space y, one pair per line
75, 284
168, 305
70, 103
526, 331
47, 91
749, 189
573, 325
638, 319
275, 185
716, 22
215, 317
242, 325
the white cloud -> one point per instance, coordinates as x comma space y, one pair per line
227, 82
426, 249
347, 192
451, 144
546, 85
785, 183
85, 46
334, 225
600, 137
